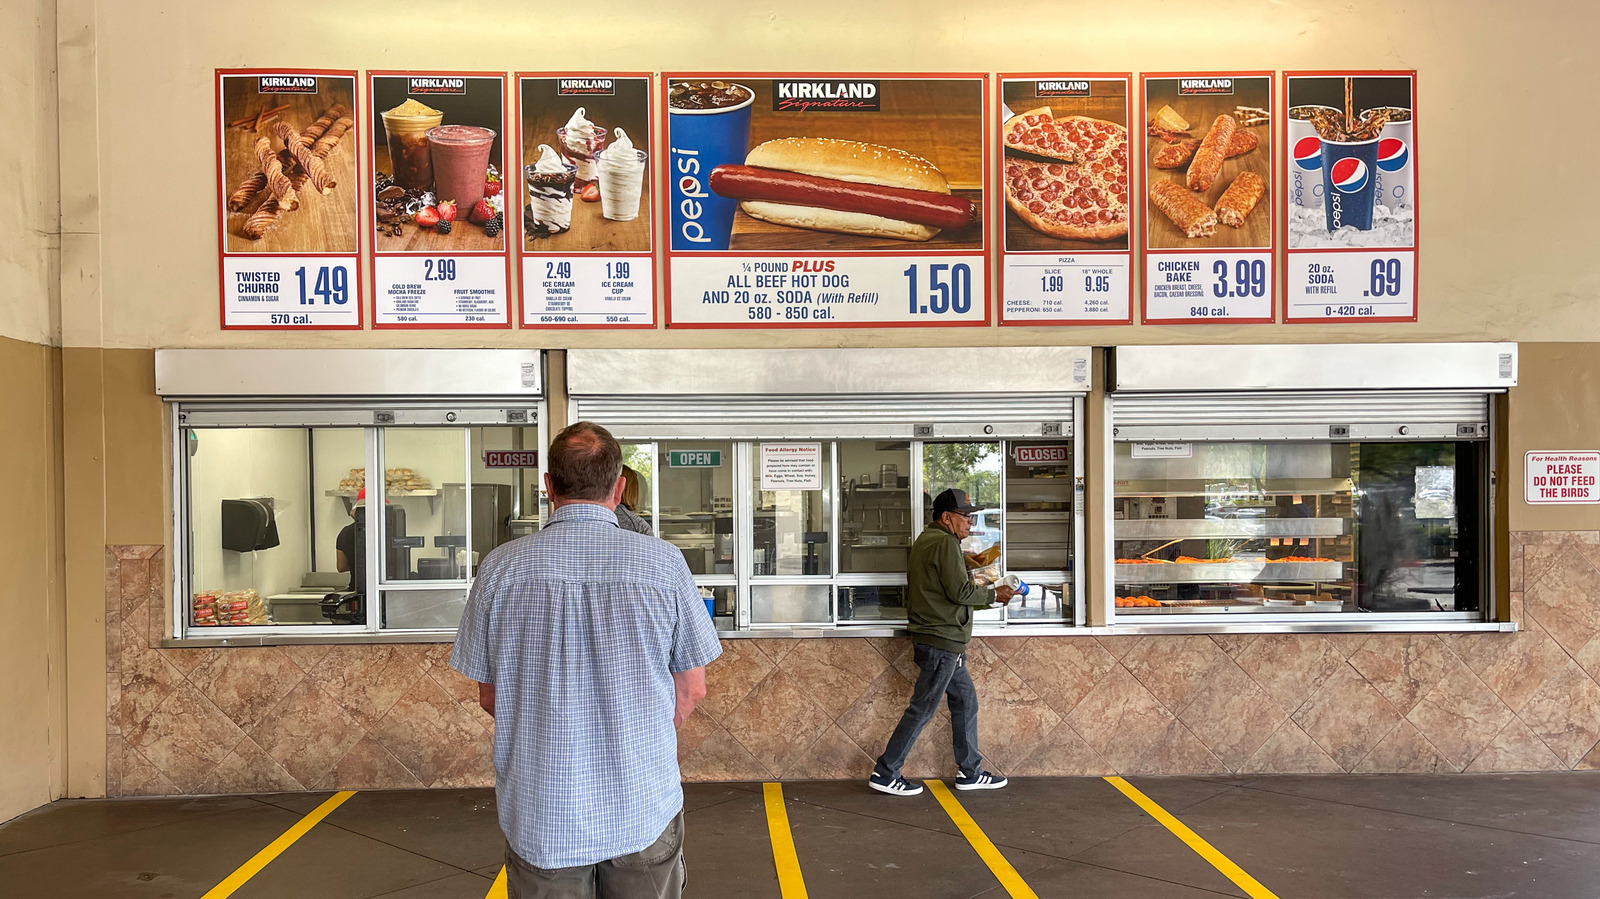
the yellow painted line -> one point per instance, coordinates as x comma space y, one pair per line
1007, 875
1205, 850
790, 883
274, 849
498, 891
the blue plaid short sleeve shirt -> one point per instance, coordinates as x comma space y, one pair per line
580, 628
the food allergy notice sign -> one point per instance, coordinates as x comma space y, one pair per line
791, 466
1562, 476
821, 200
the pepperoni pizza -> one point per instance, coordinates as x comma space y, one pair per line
1078, 190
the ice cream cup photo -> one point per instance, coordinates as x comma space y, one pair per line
460, 162
581, 141
620, 168
1349, 182
699, 140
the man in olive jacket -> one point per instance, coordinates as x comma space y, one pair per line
940, 599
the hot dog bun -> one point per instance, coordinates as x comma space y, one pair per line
851, 161
819, 219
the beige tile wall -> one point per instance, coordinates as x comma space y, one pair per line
290, 718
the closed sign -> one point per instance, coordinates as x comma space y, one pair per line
1044, 455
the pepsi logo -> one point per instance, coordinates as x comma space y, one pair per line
1393, 154
1308, 153
1349, 175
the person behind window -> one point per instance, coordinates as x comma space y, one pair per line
345, 544
628, 509
589, 643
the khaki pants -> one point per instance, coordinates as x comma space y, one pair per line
655, 872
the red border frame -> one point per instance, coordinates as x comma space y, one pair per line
222, 207
1416, 218
372, 210
1525, 455
1000, 238
522, 241
982, 253
1144, 233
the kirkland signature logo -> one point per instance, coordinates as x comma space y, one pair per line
287, 84
1191, 86
1061, 88
424, 85
834, 96
569, 87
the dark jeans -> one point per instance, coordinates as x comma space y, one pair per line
944, 674
654, 872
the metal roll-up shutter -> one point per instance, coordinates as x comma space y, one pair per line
927, 416
1302, 415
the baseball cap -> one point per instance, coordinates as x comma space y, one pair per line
953, 500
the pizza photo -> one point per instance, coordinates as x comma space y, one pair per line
1064, 173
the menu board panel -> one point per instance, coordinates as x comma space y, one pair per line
439, 253
1064, 182
1351, 196
826, 200
584, 176
1208, 208
287, 186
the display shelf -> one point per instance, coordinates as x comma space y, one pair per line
1227, 572
1227, 528
349, 496
1211, 488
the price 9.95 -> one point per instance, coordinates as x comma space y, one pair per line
331, 284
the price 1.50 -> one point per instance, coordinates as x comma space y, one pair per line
949, 289
331, 283
1249, 278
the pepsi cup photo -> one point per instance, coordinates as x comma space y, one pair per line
1348, 183
1352, 160
708, 126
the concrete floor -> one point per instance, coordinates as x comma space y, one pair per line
1534, 835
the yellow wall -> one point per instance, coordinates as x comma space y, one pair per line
32, 654
1557, 407
1505, 216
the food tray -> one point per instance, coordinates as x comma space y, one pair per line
1196, 607
1227, 572
1226, 528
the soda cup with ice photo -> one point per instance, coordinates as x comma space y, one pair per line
1396, 160
708, 124
1349, 182
1305, 151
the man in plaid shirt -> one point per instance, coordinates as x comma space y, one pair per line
590, 645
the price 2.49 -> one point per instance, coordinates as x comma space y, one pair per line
949, 289
1249, 279
331, 284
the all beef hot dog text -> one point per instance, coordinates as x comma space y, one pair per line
846, 187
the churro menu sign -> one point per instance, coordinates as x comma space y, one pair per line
583, 181
1064, 176
826, 200
440, 256
1208, 176
289, 181
1351, 198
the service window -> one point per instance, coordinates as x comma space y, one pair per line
792, 547
1316, 527
290, 527
876, 529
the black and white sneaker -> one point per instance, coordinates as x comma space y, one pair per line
980, 780
894, 786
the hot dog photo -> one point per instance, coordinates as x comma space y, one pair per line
1208, 162
825, 163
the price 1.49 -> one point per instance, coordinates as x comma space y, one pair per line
949, 289
1249, 278
331, 284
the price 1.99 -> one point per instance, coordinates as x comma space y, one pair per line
949, 289
1249, 278
331, 283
